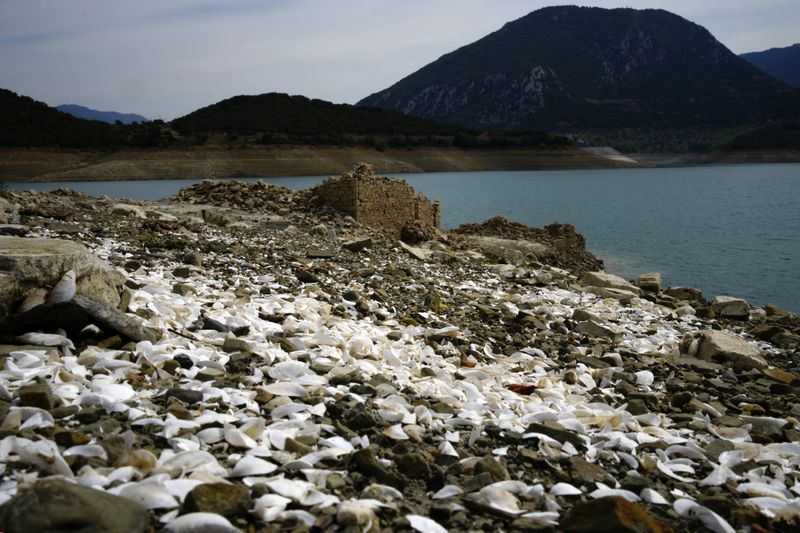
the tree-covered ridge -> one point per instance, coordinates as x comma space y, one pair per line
243, 120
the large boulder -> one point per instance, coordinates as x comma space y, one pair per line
609, 281
27, 264
713, 345
730, 307
58, 505
9, 213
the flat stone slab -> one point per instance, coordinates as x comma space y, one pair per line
413, 251
608, 281
73, 316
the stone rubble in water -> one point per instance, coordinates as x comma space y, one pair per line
385, 391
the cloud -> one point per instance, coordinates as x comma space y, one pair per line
165, 59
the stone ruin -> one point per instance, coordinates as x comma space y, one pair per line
379, 202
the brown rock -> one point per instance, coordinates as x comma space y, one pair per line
611, 514
224, 499
38, 395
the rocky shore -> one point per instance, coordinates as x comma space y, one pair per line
242, 357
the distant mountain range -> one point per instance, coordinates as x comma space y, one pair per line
780, 63
109, 117
577, 69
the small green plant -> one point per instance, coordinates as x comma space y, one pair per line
433, 301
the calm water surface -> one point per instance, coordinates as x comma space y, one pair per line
724, 229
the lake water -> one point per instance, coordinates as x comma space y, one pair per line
724, 229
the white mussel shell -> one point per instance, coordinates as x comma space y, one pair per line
201, 523
689, 509
395, 432
252, 466
448, 491
65, 289
287, 388
424, 524
651, 496
565, 489
149, 494
86, 450
35, 298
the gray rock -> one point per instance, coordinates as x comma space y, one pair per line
685, 293
193, 258
128, 210
608, 281
57, 505
513, 251
27, 264
232, 344
712, 345
617, 294
158, 215
593, 329
9, 213
364, 461
650, 281
730, 307
496, 470
357, 245
556, 431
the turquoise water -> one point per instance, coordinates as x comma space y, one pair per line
724, 229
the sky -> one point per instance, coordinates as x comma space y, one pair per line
166, 58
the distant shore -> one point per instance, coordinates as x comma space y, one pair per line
49, 165
42, 165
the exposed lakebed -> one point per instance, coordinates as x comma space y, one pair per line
724, 229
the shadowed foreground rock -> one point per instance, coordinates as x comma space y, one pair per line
73, 316
57, 505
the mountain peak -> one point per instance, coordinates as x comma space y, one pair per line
575, 69
103, 116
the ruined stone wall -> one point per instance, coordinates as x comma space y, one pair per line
340, 193
377, 201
